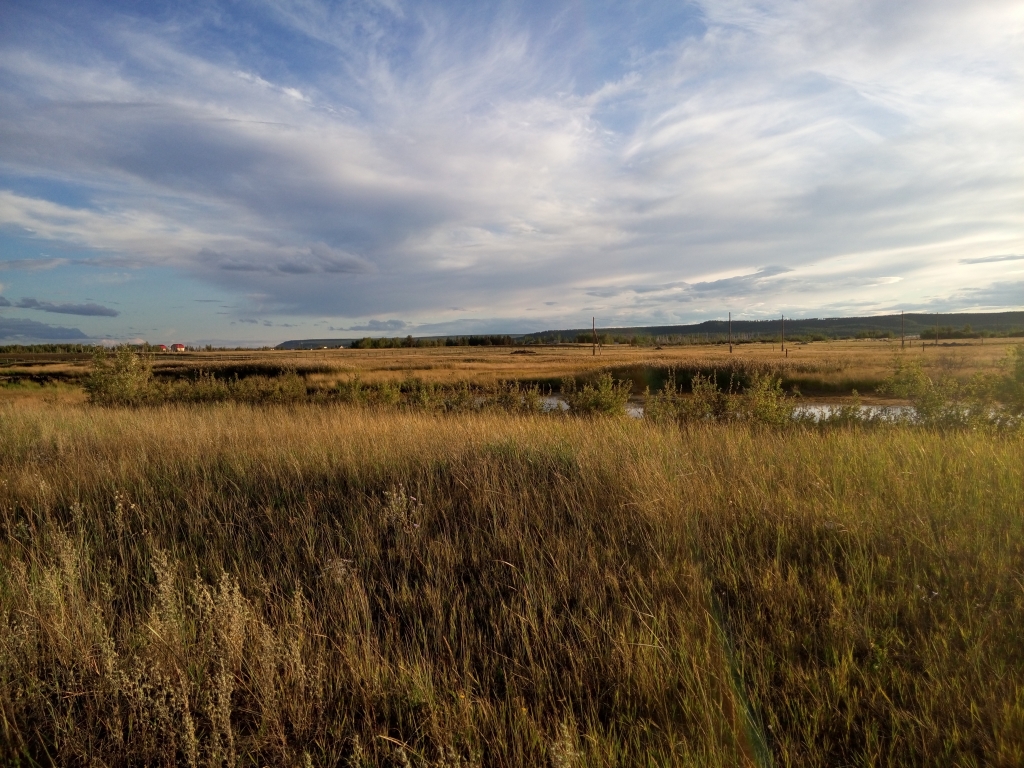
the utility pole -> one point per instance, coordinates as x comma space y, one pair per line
730, 333
783, 333
903, 331
936, 329
593, 323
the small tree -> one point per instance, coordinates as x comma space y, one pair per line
122, 378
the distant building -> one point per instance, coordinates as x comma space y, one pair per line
161, 347
177, 347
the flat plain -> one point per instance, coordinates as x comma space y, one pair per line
340, 584
822, 369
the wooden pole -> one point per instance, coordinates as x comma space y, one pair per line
593, 322
903, 331
936, 330
730, 333
783, 333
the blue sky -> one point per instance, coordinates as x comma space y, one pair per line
249, 172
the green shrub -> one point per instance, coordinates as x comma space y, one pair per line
123, 377
1011, 388
762, 401
608, 396
513, 397
707, 401
948, 402
765, 403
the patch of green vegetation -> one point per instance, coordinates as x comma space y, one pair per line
946, 401
605, 396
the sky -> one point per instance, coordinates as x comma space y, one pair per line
250, 172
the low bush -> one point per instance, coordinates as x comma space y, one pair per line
120, 377
761, 401
983, 400
989, 401
606, 396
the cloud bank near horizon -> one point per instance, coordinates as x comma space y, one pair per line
86, 310
30, 331
384, 166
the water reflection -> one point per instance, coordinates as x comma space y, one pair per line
813, 412
866, 412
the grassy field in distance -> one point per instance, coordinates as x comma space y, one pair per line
427, 569
818, 369
228, 585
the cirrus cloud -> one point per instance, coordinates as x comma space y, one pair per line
377, 325
640, 163
85, 310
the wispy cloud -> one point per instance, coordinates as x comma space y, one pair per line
991, 259
741, 284
86, 310
998, 295
377, 325
414, 159
32, 265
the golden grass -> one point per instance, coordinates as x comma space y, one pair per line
487, 365
826, 369
29, 393
296, 586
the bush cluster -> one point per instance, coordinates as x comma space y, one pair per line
762, 401
946, 401
751, 393
605, 396
122, 378
125, 377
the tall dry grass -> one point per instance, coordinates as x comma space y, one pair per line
225, 585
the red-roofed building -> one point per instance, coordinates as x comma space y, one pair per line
177, 347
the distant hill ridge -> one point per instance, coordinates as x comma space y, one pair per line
917, 323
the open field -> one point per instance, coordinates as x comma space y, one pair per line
226, 585
817, 369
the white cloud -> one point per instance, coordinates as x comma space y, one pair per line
377, 325
870, 150
991, 259
32, 265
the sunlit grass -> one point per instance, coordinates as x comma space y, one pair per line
231, 585
827, 369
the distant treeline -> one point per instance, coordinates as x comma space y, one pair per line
947, 326
49, 349
88, 349
147, 347
964, 325
798, 335
451, 341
